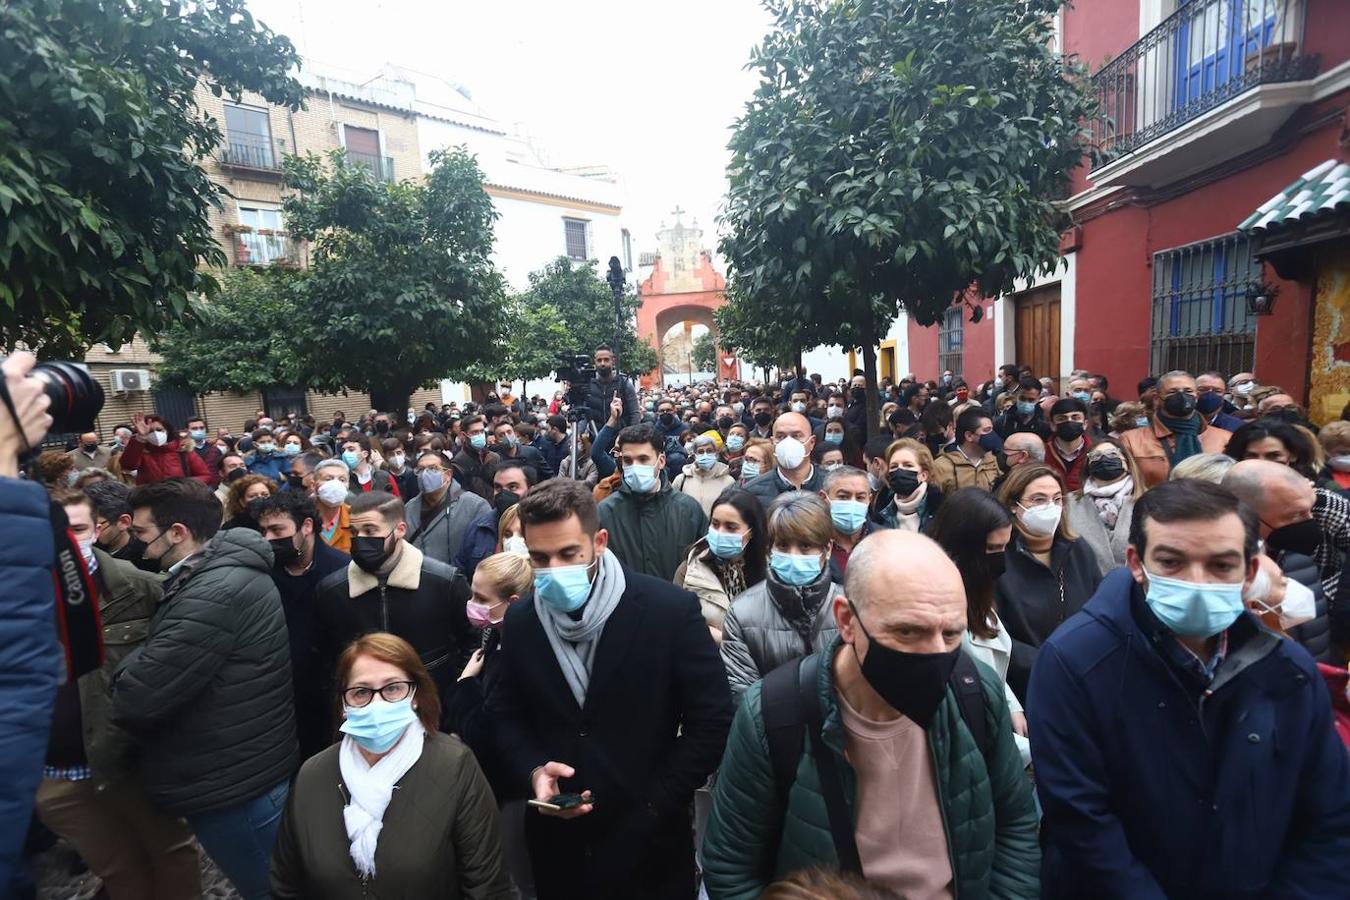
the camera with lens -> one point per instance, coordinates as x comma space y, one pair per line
576, 369
76, 397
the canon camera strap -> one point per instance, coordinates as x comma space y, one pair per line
77, 612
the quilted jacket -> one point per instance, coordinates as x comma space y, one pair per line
754, 838
756, 636
209, 695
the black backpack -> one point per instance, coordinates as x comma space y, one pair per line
790, 704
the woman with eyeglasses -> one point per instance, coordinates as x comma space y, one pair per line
1048, 572
1101, 509
397, 809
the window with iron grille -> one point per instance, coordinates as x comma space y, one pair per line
248, 138
951, 340
1200, 316
575, 234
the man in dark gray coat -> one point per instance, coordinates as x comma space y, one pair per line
208, 695
439, 516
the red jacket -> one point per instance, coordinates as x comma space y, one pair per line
1336, 680
158, 463
1072, 472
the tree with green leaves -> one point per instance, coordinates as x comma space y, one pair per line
704, 353
895, 154
585, 303
401, 290
103, 208
241, 340
528, 348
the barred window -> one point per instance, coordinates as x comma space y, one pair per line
951, 339
575, 234
1200, 317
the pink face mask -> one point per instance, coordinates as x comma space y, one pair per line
480, 616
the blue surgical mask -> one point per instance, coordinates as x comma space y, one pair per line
378, 725
351, 459
1141, 421
705, 461
292, 449
430, 480
795, 569
197, 435
725, 546
834, 437
1025, 407
266, 449
565, 588
735, 443
639, 478
749, 469
848, 515
1191, 609
1084, 396
478, 441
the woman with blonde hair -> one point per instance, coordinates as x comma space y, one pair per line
1048, 572
510, 533
411, 815
1103, 506
909, 500
756, 460
244, 491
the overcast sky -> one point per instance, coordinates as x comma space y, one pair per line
648, 87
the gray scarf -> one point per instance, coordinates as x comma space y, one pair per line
574, 641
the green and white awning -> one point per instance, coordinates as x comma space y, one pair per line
1321, 191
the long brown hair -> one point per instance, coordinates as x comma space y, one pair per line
1015, 485
394, 650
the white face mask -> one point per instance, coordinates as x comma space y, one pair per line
1299, 604
790, 452
1041, 520
363, 477
1245, 388
87, 551
333, 492
159, 438
397, 460
515, 544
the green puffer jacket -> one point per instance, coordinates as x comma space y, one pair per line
652, 531
991, 821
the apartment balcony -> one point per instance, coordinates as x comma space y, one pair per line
1214, 80
263, 247
382, 167
256, 153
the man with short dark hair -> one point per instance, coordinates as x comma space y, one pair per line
204, 447
390, 585
1229, 779
972, 462
355, 451
475, 463
512, 481
288, 520
508, 445
610, 686
442, 513
208, 695
112, 524
1025, 413
1067, 451
557, 442
759, 418
1176, 430
650, 524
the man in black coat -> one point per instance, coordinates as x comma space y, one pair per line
299, 562
608, 384
610, 687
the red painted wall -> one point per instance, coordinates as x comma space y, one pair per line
923, 351
1328, 32
977, 355
1096, 31
1113, 295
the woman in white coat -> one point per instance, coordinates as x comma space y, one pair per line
706, 476
1101, 510
974, 529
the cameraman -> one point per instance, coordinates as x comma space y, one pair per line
608, 384
30, 655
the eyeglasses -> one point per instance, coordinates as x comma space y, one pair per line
392, 692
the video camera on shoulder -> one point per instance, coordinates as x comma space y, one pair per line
576, 369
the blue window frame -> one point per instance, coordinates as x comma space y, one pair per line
1200, 315
1213, 43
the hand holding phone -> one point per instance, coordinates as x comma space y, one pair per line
548, 795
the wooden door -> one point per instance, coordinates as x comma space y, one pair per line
1037, 330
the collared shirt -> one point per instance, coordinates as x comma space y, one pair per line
1192, 662
67, 773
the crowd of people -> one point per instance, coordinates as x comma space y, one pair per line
726, 639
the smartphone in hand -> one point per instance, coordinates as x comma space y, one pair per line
559, 802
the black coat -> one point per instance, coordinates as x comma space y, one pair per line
1009, 424
1033, 600
652, 729
1315, 634
466, 715
602, 394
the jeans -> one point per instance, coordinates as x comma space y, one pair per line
239, 838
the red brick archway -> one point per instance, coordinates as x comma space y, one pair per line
683, 287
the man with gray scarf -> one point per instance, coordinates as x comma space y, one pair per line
610, 687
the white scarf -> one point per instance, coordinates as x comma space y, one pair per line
371, 788
907, 511
1109, 498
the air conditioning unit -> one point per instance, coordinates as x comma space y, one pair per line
124, 380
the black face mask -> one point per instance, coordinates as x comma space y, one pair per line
284, 551
369, 553
236, 474
762, 419
381, 427
604, 371
297, 482
89, 448
857, 393
912, 684
1179, 406
997, 563
725, 422
1069, 431
903, 482
1285, 414
1002, 458
1301, 537
1108, 468
1209, 402
504, 501
667, 419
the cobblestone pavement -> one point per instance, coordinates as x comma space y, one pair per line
60, 876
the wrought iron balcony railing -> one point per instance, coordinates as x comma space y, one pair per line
382, 167
1201, 56
247, 150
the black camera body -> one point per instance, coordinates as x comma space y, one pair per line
576, 369
76, 396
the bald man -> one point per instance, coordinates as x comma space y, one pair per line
931, 807
793, 441
1021, 448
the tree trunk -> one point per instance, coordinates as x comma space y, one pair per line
869, 354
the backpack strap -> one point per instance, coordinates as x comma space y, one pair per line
969, 693
827, 769
784, 719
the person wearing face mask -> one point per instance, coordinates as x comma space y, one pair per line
788, 615
1211, 402
849, 494
1067, 451
908, 500
1101, 509
90, 792
1335, 440
391, 585
855, 414
650, 523
112, 525
1176, 430
329, 481
266, 459
760, 418
1241, 387
610, 688
608, 385
794, 471
156, 454
705, 477
396, 808
728, 559
442, 514
1049, 573
299, 562
396, 464
474, 463
89, 454
365, 476
512, 481
881, 729
204, 445
1025, 414
208, 695
972, 462
1227, 778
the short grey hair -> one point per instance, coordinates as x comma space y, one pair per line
1175, 373
1248, 483
1036, 451
1211, 467
332, 464
840, 474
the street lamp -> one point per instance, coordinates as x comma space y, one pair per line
616, 281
